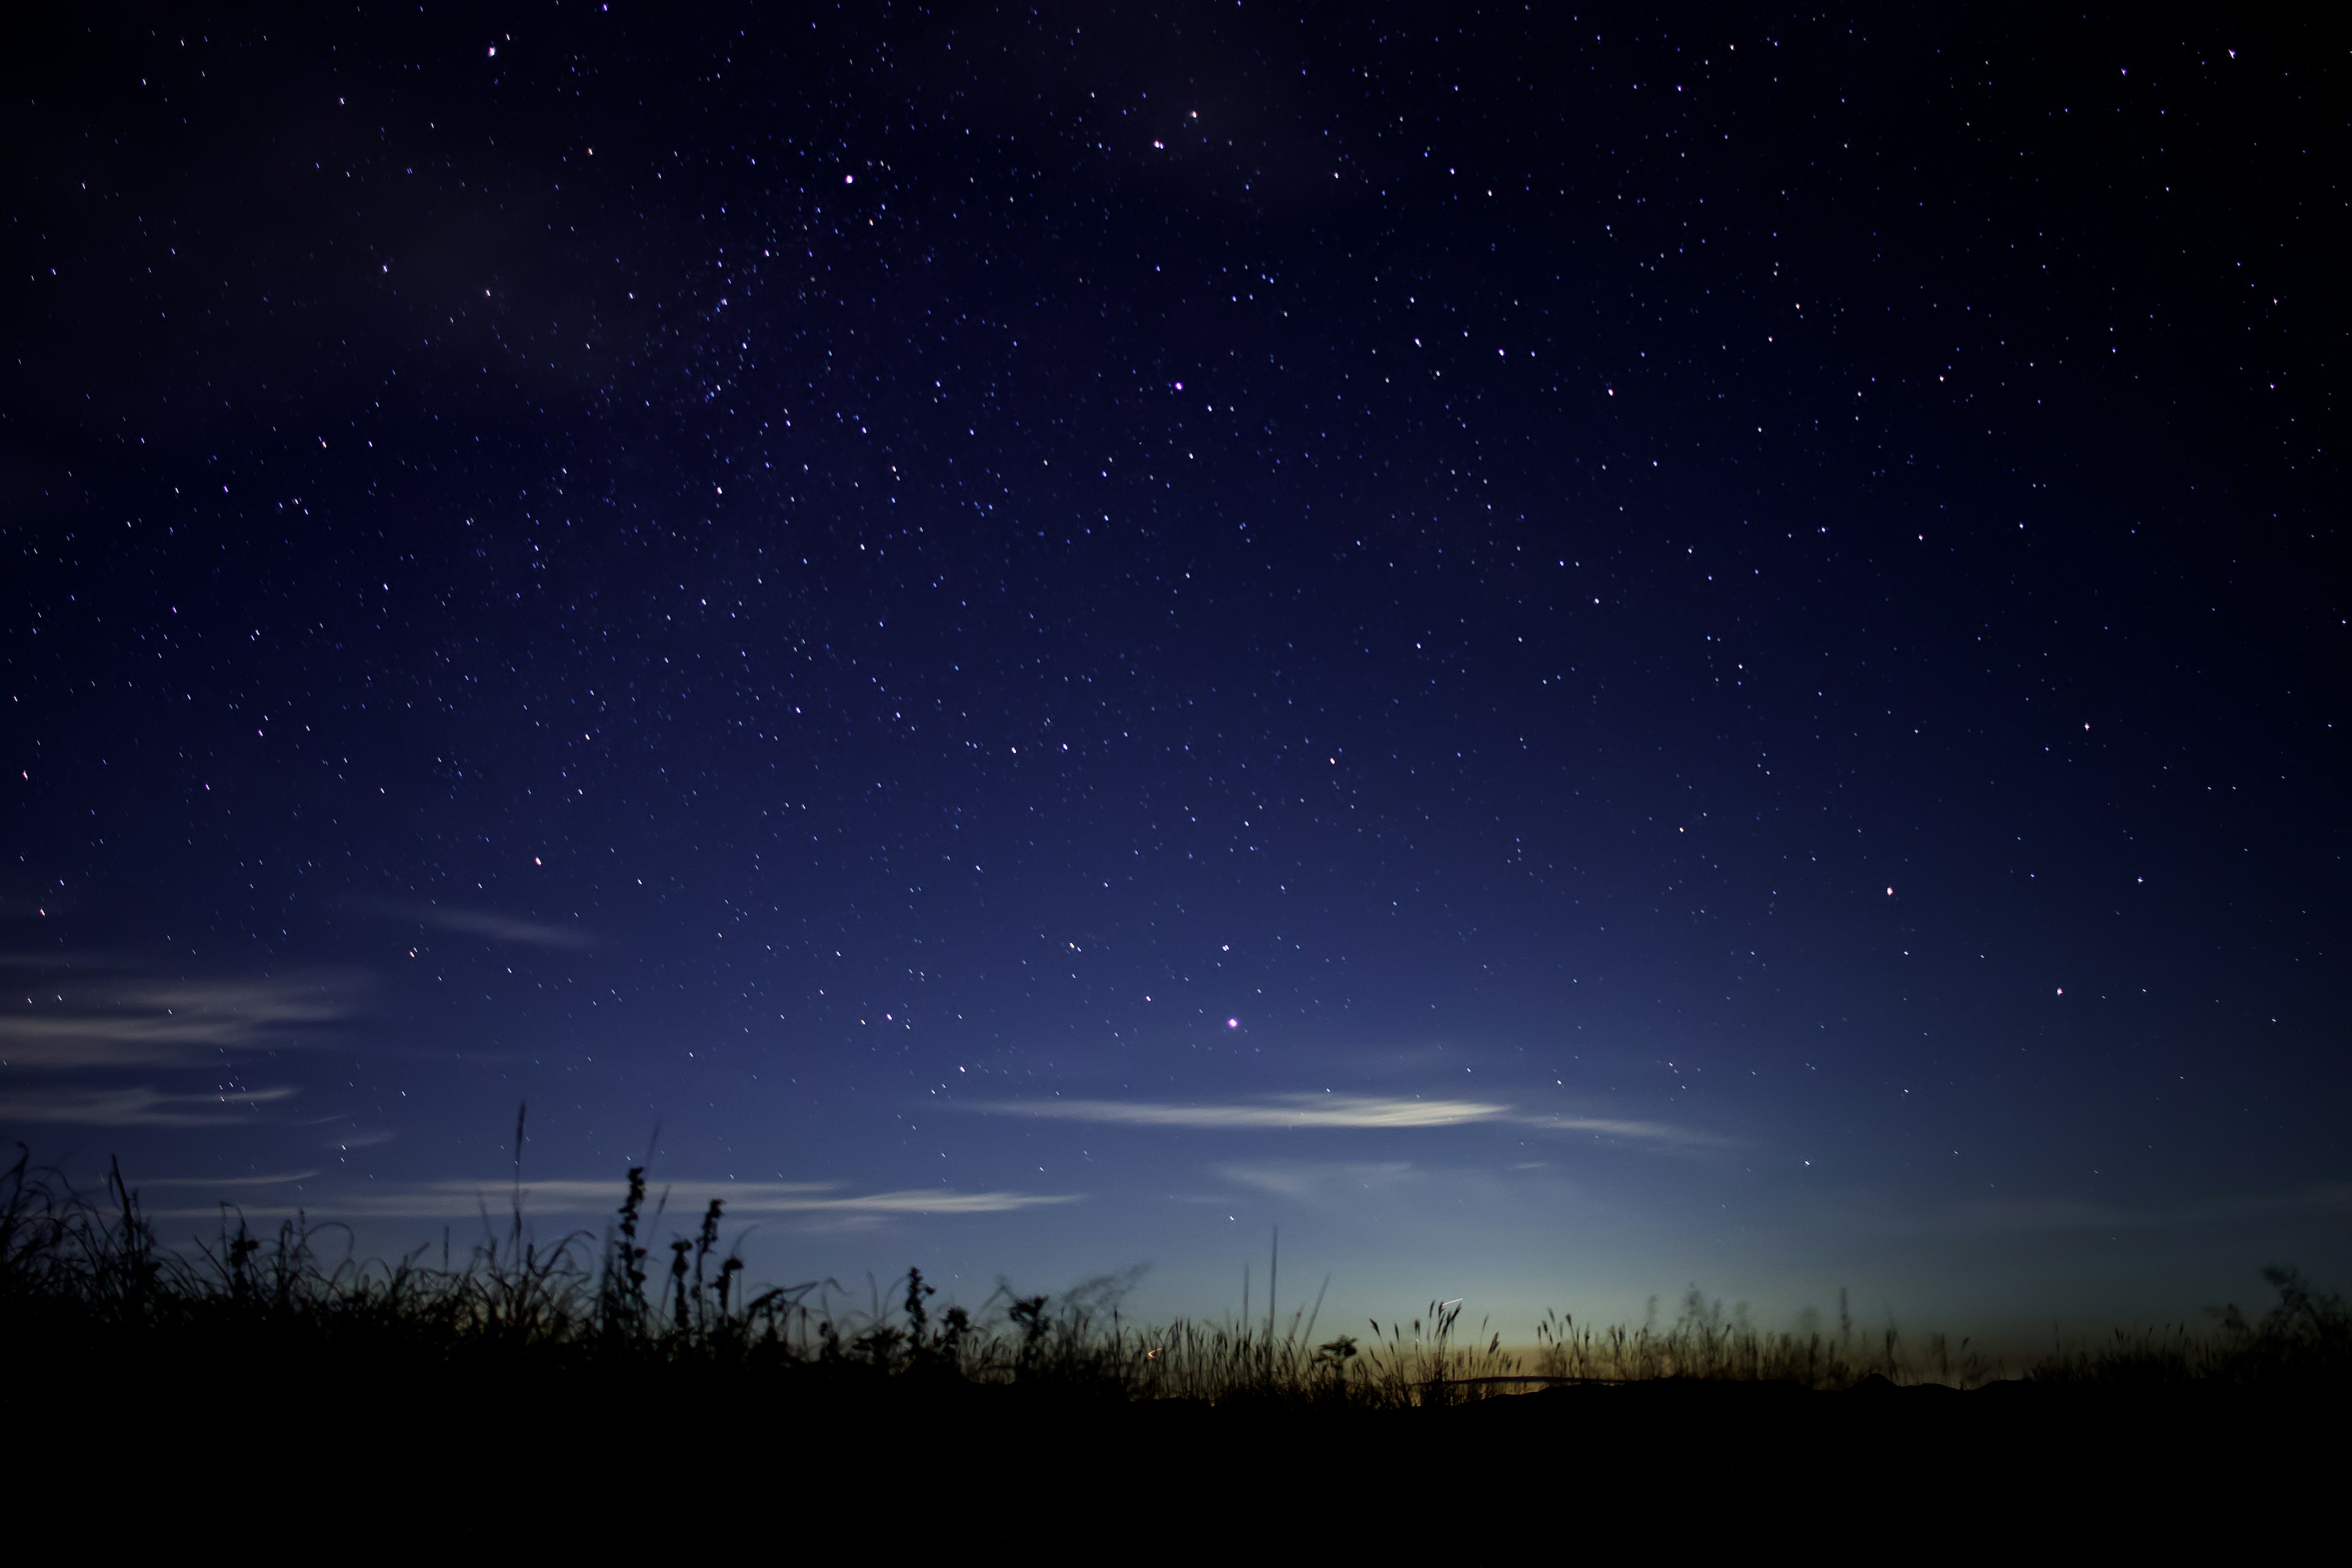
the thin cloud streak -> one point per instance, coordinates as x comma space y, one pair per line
1613, 1127
139, 1107
1293, 1111
164, 1022
1309, 1182
491, 926
495, 927
289, 1179
461, 1199
1289, 1110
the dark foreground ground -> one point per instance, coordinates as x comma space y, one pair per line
257, 1399
608, 1466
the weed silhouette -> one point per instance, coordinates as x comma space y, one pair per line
88, 1274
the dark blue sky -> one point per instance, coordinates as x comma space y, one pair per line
1565, 652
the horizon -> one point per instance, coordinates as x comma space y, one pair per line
778, 1228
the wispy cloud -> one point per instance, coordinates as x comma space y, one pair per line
1308, 1181
1294, 1111
288, 1178
464, 1199
69, 1018
137, 1107
1618, 1127
1288, 1110
490, 925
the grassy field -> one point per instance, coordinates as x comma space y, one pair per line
86, 1276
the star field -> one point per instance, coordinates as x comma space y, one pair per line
1562, 651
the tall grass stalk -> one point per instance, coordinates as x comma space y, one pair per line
88, 1270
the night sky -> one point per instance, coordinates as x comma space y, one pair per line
1565, 652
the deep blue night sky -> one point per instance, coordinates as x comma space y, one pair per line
1565, 652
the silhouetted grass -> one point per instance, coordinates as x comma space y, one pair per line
85, 1277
